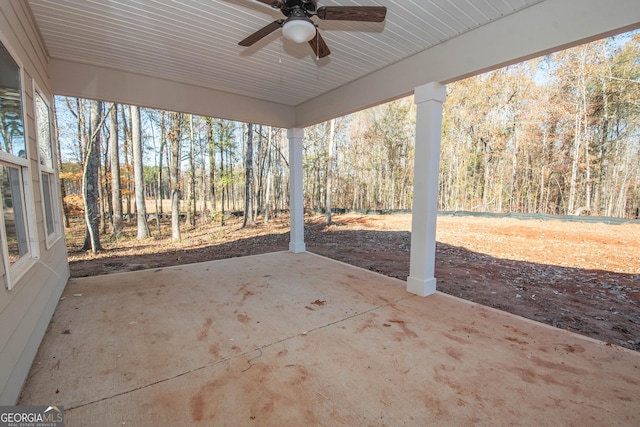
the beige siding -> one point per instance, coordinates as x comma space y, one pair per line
25, 311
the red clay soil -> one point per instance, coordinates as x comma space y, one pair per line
577, 276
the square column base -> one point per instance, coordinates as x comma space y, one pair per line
421, 287
297, 248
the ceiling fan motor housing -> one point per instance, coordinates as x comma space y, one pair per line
292, 7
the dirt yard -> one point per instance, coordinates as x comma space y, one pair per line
577, 276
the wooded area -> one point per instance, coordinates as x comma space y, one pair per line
557, 135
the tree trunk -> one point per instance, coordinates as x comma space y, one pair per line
587, 159
231, 186
82, 132
573, 183
223, 176
212, 164
63, 191
127, 143
176, 137
267, 196
330, 161
257, 176
156, 184
138, 173
116, 190
163, 139
102, 190
203, 178
90, 182
248, 185
192, 176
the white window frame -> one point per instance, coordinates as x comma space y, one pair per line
14, 272
51, 171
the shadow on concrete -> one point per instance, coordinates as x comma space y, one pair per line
599, 304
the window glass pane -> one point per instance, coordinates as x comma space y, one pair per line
48, 208
44, 131
11, 126
13, 212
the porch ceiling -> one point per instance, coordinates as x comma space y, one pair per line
190, 48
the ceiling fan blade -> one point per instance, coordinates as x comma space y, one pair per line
319, 46
353, 13
263, 32
277, 4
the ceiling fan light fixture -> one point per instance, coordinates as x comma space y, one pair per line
298, 30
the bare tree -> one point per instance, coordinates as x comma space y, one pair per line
63, 192
138, 173
223, 176
176, 140
158, 172
330, 161
248, 185
104, 192
269, 161
212, 163
90, 182
127, 166
163, 143
191, 198
116, 190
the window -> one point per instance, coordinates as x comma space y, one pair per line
44, 131
11, 125
16, 221
15, 224
47, 201
47, 171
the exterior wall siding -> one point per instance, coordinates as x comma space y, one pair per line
26, 309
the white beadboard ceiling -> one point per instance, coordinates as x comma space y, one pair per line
195, 41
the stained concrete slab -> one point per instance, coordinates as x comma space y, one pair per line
298, 339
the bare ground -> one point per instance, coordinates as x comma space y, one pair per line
577, 276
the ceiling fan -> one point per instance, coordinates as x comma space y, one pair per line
299, 27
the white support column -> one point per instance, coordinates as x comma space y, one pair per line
296, 202
429, 99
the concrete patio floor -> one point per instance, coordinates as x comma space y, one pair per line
297, 339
